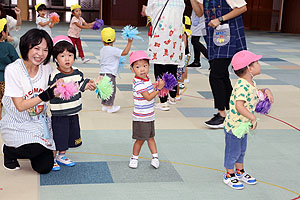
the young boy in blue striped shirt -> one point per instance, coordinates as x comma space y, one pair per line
65, 121
143, 113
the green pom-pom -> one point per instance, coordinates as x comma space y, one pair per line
243, 129
105, 88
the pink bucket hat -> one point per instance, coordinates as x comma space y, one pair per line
60, 38
138, 55
243, 58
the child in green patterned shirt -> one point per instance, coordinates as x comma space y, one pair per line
242, 106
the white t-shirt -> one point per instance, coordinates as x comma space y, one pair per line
232, 3
198, 25
19, 128
110, 59
17, 83
165, 46
45, 28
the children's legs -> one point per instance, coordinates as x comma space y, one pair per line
137, 147
232, 151
239, 166
152, 145
79, 47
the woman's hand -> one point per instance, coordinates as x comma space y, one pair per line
214, 23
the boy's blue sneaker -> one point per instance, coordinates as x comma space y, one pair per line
55, 167
233, 182
65, 161
246, 178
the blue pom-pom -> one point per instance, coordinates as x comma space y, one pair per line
130, 32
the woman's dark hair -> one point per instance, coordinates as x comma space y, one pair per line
138, 60
60, 47
3, 13
32, 38
4, 30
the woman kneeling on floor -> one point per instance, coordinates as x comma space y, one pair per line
25, 127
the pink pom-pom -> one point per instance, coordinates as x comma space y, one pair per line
163, 92
66, 90
54, 17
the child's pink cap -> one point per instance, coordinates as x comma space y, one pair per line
244, 58
138, 55
60, 38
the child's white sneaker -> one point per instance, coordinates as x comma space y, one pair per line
155, 163
63, 160
113, 109
85, 60
233, 182
162, 106
133, 163
245, 177
172, 101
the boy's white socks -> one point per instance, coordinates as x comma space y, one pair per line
135, 157
155, 155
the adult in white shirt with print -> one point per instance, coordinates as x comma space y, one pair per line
25, 127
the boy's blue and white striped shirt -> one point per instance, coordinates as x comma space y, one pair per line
143, 109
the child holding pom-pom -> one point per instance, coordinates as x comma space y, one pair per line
65, 109
109, 64
241, 117
143, 113
42, 21
76, 24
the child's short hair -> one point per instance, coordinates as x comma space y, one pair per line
4, 30
60, 47
240, 72
41, 7
32, 38
138, 60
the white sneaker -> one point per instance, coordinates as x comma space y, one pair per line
246, 178
172, 101
85, 60
155, 163
163, 106
113, 109
133, 163
233, 182
178, 98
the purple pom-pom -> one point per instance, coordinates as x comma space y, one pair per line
170, 81
263, 106
98, 24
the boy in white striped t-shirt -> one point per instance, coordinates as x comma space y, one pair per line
143, 113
